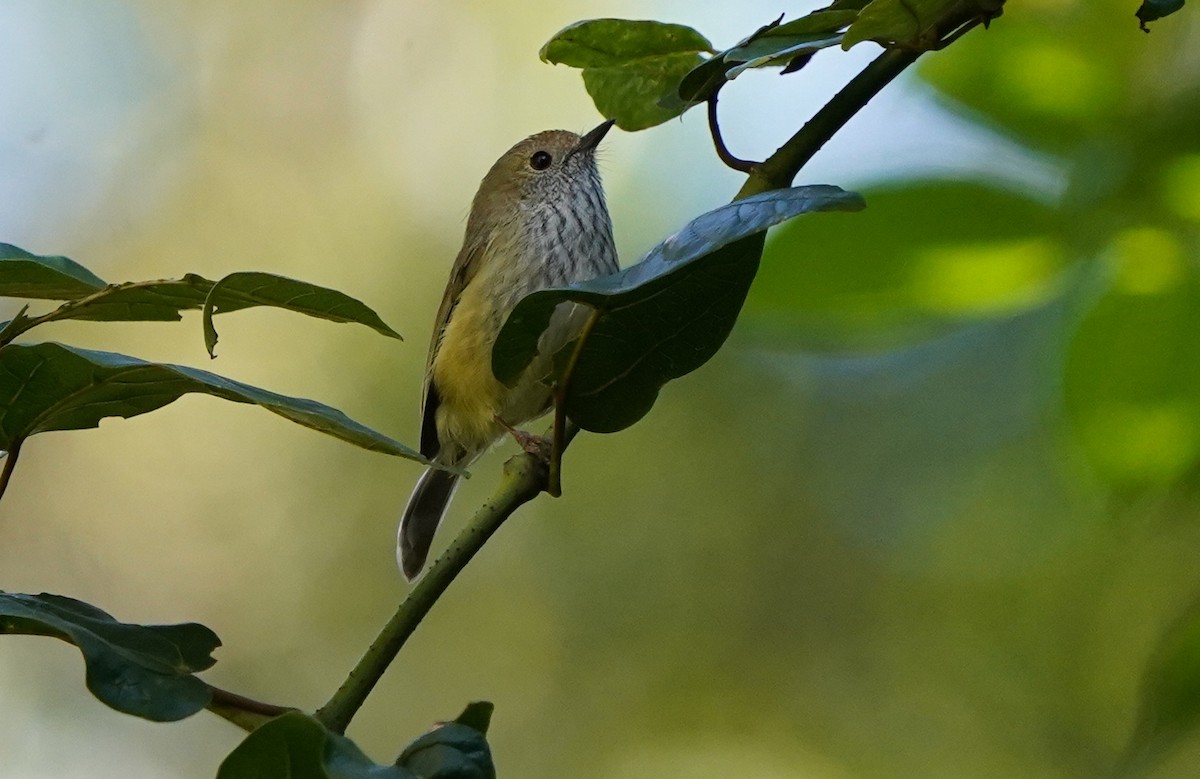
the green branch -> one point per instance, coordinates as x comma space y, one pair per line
524, 477
778, 170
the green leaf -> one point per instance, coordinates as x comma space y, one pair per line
1151, 10
631, 69
160, 300
904, 22
143, 670
663, 317
50, 386
602, 43
248, 288
296, 746
25, 275
770, 45
1170, 696
163, 300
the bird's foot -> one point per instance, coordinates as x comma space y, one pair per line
537, 445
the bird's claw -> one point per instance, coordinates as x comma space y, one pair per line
536, 445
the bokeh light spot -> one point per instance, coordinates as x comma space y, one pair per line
1054, 79
985, 278
1142, 443
1149, 261
1181, 187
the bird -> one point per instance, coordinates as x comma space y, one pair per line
538, 220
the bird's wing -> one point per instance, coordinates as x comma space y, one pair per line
465, 267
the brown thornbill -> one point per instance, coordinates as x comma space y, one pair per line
538, 220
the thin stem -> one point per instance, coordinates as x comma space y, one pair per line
247, 713
10, 462
523, 478
714, 127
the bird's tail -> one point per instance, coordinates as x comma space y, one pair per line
421, 518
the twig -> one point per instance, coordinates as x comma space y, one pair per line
10, 462
247, 713
738, 164
524, 477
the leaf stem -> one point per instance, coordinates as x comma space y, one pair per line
10, 462
524, 477
714, 127
247, 713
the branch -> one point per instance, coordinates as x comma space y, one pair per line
778, 170
524, 477
247, 713
10, 462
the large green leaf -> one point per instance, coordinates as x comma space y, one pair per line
296, 746
143, 670
50, 386
663, 317
250, 288
25, 275
631, 69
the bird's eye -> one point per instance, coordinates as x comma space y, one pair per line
540, 160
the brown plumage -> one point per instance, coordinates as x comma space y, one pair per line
538, 220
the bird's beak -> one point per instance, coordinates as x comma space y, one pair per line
592, 139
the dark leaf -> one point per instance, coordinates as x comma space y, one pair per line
796, 63
1150, 10
248, 288
25, 275
50, 386
143, 670
663, 317
1170, 697
296, 746
454, 750
631, 68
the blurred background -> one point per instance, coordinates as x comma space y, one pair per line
927, 514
